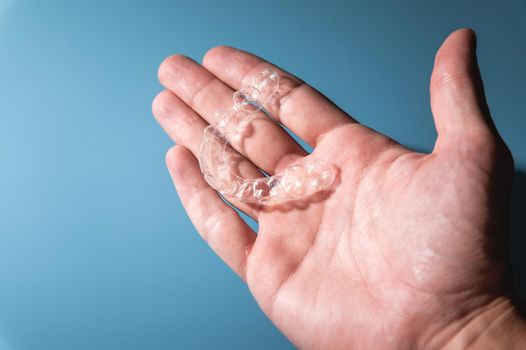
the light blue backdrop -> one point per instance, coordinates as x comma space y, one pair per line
95, 249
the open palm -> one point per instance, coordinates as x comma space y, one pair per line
388, 257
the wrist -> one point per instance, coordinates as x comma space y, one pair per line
496, 325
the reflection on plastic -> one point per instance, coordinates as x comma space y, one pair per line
218, 161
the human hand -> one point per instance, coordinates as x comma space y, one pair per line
407, 250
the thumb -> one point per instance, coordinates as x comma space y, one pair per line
462, 118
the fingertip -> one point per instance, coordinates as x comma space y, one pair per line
171, 155
170, 66
162, 105
462, 34
457, 51
465, 31
215, 53
224, 62
177, 159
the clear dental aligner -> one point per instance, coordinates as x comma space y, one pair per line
217, 161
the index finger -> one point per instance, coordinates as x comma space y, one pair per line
300, 107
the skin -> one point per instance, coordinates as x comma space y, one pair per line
407, 250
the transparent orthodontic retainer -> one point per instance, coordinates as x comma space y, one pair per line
218, 161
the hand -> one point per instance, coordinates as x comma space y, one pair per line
406, 251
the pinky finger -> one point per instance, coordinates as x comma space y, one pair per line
219, 224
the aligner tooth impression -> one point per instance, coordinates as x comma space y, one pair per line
301, 179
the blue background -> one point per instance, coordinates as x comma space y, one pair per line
95, 250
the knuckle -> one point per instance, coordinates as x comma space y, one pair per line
213, 225
460, 82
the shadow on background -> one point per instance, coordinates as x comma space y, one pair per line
518, 238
